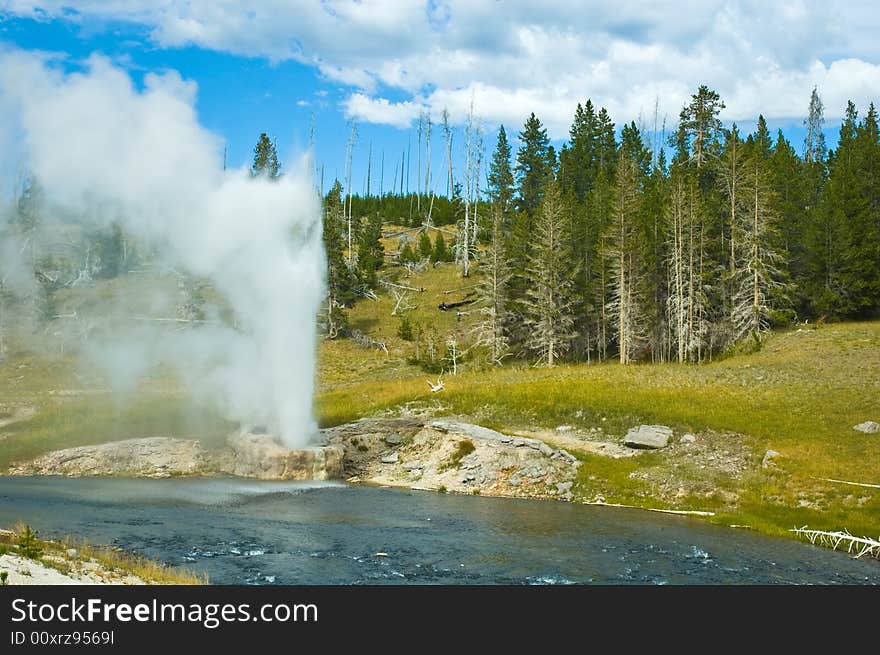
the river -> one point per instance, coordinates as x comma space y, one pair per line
242, 532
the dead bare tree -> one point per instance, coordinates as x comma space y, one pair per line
401, 304
352, 137
730, 175
419, 162
366, 341
491, 331
415, 267
452, 351
427, 153
465, 243
447, 133
627, 301
686, 303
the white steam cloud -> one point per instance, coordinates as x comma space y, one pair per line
106, 152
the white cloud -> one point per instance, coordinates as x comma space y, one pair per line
380, 110
519, 56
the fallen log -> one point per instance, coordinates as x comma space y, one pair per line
858, 545
444, 306
854, 484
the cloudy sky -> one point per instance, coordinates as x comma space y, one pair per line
290, 66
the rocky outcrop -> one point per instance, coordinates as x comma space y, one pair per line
260, 456
247, 455
868, 427
648, 436
453, 456
153, 457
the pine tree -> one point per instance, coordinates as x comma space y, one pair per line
578, 166
843, 236
492, 330
532, 165
757, 276
407, 254
699, 124
340, 282
425, 245
265, 159
440, 252
549, 305
791, 191
371, 253
500, 175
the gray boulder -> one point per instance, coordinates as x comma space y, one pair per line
391, 459
868, 427
648, 436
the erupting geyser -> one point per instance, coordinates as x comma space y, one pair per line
106, 152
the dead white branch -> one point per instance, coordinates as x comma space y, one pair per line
856, 546
855, 484
366, 341
435, 387
401, 286
681, 512
401, 305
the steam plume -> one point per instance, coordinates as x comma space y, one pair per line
106, 152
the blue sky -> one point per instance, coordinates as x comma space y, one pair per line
281, 67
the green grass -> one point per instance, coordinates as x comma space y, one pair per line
800, 395
75, 408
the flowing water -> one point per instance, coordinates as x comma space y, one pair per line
243, 532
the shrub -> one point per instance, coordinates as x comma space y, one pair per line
28, 546
407, 255
425, 245
405, 329
464, 448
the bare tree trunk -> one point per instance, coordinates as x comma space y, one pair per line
623, 336
756, 296
427, 154
419, 165
447, 132
369, 167
351, 139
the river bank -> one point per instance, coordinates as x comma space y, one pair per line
26, 559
